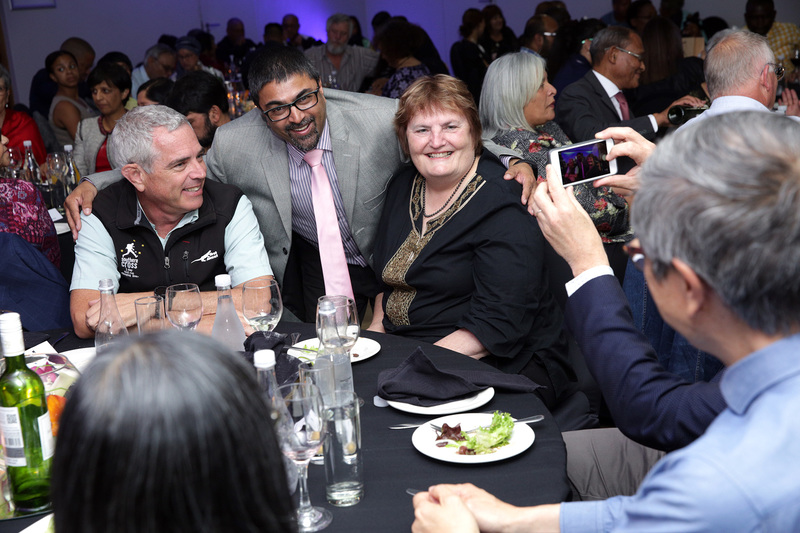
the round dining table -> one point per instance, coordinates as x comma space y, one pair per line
392, 464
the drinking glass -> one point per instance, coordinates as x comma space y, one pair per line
184, 306
15, 158
53, 182
319, 372
261, 304
300, 436
149, 313
347, 324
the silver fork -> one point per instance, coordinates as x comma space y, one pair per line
527, 420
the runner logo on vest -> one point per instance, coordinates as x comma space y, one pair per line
130, 259
206, 257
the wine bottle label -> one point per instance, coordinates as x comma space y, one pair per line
13, 444
46, 437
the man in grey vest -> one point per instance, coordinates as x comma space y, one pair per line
163, 224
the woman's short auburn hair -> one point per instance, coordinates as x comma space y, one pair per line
440, 93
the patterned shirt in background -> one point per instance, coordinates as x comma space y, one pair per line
781, 38
609, 211
23, 211
397, 84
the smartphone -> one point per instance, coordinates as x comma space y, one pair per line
583, 162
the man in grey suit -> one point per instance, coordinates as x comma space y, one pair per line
596, 102
262, 153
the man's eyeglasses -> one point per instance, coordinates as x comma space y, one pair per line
636, 255
780, 70
549, 33
281, 112
634, 54
169, 69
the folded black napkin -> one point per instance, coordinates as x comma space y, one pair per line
418, 381
286, 366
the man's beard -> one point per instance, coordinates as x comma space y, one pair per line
306, 142
335, 49
210, 129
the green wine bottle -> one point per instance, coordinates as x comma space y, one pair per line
28, 443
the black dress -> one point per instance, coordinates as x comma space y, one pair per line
469, 62
479, 267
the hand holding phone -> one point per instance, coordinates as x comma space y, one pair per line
583, 162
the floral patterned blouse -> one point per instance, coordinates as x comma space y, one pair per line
608, 210
23, 211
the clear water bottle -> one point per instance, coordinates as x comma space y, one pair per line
73, 176
264, 361
227, 329
28, 443
110, 327
332, 346
31, 167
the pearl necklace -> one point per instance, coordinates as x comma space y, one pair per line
425, 188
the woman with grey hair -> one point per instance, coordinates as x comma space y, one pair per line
517, 110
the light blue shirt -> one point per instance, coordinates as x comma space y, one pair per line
245, 255
743, 474
729, 104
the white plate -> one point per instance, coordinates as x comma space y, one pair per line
457, 406
364, 348
424, 439
80, 357
40, 526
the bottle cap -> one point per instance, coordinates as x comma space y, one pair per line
222, 280
106, 284
264, 359
11, 334
26, 144
67, 147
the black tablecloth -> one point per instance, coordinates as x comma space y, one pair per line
391, 464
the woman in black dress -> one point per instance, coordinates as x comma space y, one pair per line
468, 57
460, 261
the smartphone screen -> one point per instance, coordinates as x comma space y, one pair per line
584, 162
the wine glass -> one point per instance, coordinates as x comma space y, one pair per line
184, 306
261, 304
16, 160
56, 170
301, 430
347, 324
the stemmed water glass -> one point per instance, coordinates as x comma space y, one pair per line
347, 324
16, 160
261, 304
53, 187
184, 306
300, 435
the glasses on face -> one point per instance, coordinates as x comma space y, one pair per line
549, 33
281, 112
634, 54
780, 70
636, 255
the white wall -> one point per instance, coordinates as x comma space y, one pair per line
131, 27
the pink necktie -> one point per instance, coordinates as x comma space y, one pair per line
331, 249
623, 105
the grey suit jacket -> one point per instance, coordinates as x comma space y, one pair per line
584, 108
366, 153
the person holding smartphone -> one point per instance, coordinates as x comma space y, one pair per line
517, 111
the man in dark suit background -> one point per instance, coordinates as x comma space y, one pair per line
596, 101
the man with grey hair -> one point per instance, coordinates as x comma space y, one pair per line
596, 101
718, 217
342, 66
163, 224
159, 62
742, 75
